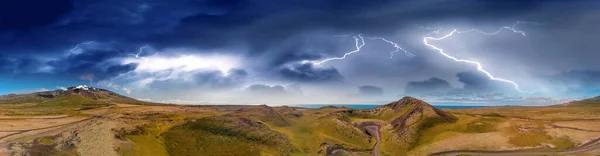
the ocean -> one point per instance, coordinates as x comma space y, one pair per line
369, 106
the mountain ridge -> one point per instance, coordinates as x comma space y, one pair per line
87, 92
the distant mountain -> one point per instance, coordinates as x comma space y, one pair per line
72, 95
595, 101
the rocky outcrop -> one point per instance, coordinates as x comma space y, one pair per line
413, 116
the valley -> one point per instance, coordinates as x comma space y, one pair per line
98, 122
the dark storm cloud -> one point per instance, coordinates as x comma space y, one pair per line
427, 86
203, 80
256, 25
583, 77
370, 91
125, 23
26, 14
267, 90
247, 22
479, 82
308, 73
6, 65
218, 79
20, 65
97, 62
273, 36
582, 82
475, 85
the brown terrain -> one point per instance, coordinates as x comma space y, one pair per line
98, 122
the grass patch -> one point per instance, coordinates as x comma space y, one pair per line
480, 127
225, 135
562, 143
45, 141
147, 145
339, 127
390, 114
525, 139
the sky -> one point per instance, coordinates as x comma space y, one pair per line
466, 52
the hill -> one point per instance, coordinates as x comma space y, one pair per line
86, 94
62, 101
595, 101
264, 113
411, 117
397, 126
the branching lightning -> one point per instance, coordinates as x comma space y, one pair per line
78, 49
478, 64
359, 43
398, 47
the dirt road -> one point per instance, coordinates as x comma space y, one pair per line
4, 142
373, 129
572, 128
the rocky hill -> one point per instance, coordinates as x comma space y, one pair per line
415, 115
81, 94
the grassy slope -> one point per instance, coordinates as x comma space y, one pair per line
148, 143
61, 103
67, 104
19, 99
148, 140
317, 127
587, 102
225, 135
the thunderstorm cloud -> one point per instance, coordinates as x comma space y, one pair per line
247, 51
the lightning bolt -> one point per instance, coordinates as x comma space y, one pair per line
478, 64
141, 50
398, 47
77, 49
359, 43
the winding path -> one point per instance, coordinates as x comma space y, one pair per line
373, 129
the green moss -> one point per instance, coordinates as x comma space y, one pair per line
480, 127
430, 122
525, 139
344, 131
389, 114
434, 131
146, 145
126, 149
562, 144
493, 115
45, 141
